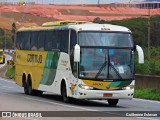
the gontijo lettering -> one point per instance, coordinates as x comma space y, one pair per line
34, 58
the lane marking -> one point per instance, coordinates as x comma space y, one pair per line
3, 79
29, 118
7, 87
153, 101
71, 106
147, 118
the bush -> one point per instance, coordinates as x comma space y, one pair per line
10, 73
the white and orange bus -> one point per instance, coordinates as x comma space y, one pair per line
77, 59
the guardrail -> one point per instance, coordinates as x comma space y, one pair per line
147, 81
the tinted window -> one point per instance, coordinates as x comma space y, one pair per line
41, 39
34, 40
26, 40
18, 40
51, 40
64, 38
23, 40
89, 38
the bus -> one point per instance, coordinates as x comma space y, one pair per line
2, 56
77, 59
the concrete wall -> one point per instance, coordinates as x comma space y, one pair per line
146, 81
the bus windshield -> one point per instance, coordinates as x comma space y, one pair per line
89, 38
106, 64
104, 56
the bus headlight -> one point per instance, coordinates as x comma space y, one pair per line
130, 87
86, 87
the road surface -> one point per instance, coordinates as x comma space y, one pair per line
12, 98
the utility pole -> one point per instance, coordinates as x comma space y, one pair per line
4, 39
98, 2
149, 33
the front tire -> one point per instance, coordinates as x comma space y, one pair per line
64, 93
113, 102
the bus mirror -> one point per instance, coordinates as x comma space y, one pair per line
140, 54
76, 53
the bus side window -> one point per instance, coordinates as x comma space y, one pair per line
48, 40
64, 40
41, 39
19, 40
34, 40
27, 40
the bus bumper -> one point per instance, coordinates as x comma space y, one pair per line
99, 94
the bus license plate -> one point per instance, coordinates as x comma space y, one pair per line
107, 95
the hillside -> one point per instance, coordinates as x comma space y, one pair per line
38, 14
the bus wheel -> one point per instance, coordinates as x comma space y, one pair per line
25, 87
29, 87
64, 93
113, 102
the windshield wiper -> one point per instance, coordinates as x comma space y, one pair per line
109, 64
100, 70
115, 70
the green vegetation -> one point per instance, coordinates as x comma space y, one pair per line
10, 73
6, 35
151, 66
149, 94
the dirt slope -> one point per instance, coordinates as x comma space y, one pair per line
38, 14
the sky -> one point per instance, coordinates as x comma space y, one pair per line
73, 1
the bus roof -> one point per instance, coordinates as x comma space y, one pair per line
99, 27
77, 25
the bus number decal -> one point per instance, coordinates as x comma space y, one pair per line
34, 58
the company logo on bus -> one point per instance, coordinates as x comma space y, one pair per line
34, 58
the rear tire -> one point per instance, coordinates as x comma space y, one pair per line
113, 102
29, 87
25, 87
64, 93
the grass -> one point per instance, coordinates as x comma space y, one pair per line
149, 94
10, 73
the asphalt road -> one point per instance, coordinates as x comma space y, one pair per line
13, 99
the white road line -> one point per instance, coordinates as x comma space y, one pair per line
29, 118
7, 87
148, 118
146, 100
60, 104
2, 79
